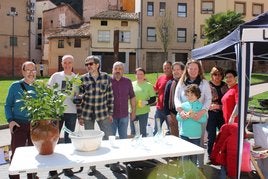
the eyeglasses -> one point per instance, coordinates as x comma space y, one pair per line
90, 64
217, 74
29, 71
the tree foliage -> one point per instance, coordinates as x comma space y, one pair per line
220, 25
164, 28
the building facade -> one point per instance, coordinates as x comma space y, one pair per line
14, 35
37, 29
181, 30
115, 37
73, 40
56, 20
26, 33
205, 8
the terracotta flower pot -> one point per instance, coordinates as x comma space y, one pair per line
45, 135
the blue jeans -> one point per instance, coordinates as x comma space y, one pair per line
222, 173
69, 120
143, 120
193, 158
162, 116
104, 125
120, 124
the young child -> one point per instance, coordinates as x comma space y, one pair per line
190, 127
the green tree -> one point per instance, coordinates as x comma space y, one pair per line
164, 28
220, 25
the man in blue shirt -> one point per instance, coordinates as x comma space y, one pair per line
19, 123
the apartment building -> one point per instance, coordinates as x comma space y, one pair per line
16, 20
205, 8
181, 31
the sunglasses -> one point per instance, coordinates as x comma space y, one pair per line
90, 64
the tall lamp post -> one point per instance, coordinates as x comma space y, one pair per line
12, 13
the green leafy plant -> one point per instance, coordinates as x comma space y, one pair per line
46, 102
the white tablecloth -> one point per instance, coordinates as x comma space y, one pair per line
27, 159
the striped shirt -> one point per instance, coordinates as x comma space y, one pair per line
98, 97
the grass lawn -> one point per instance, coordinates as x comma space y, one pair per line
256, 79
255, 103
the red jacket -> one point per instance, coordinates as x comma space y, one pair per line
159, 88
224, 151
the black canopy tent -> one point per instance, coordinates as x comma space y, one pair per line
246, 43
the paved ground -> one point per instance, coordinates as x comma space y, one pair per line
210, 171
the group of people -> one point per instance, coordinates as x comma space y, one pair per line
186, 101
195, 109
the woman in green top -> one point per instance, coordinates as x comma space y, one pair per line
145, 96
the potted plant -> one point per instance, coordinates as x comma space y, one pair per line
45, 105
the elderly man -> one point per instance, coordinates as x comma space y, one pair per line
123, 91
69, 117
19, 123
97, 101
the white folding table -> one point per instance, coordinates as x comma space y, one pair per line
27, 159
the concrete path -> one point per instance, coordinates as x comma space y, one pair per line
258, 89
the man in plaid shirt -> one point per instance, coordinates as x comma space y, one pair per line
97, 100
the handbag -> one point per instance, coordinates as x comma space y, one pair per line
260, 131
245, 165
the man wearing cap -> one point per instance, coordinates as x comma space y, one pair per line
70, 116
97, 100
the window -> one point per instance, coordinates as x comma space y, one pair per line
60, 68
151, 34
104, 23
207, 7
150, 9
181, 35
162, 8
257, 9
124, 36
39, 39
77, 42
240, 7
39, 23
13, 41
183, 57
104, 36
60, 43
124, 23
182, 10
51, 23
202, 32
